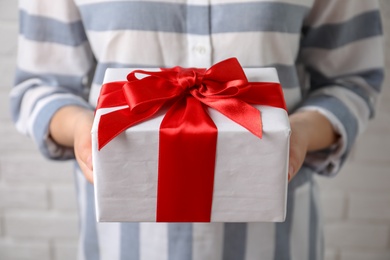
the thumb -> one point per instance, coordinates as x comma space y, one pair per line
84, 159
297, 153
83, 153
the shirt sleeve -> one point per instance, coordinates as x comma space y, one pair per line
342, 53
53, 67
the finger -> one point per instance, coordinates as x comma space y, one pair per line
87, 171
294, 164
85, 168
85, 154
84, 159
290, 172
296, 159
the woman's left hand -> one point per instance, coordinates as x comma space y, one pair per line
310, 131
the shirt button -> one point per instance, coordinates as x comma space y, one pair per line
200, 49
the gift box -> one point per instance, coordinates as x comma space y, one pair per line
239, 177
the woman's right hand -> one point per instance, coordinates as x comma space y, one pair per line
83, 143
71, 127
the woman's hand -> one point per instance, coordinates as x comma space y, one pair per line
83, 143
310, 131
71, 127
298, 146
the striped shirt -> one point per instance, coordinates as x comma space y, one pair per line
328, 54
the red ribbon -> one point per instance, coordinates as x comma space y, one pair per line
188, 136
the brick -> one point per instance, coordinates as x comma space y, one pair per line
381, 124
365, 255
359, 177
356, 235
385, 91
384, 105
369, 206
5, 116
63, 197
9, 10
33, 168
65, 250
40, 224
15, 143
16, 196
8, 43
373, 148
7, 68
333, 205
330, 254
24, 250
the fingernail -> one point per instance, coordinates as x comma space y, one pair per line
290, 172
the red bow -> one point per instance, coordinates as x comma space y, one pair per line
187, 133
223, 87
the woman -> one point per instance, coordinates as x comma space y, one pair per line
329, 58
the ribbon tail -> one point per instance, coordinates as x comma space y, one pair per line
264, 93
111, 95
116, 122
188, 139
239, 111
111, 125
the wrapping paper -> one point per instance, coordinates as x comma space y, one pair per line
250, 182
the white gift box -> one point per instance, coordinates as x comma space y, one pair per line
250, 182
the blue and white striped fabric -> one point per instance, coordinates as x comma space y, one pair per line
328, 54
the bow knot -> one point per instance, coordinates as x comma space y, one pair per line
189, 78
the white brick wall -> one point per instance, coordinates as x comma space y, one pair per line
63, 197
349, 234
24, 249
65, 250
38, 218
45, 224
23, 196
